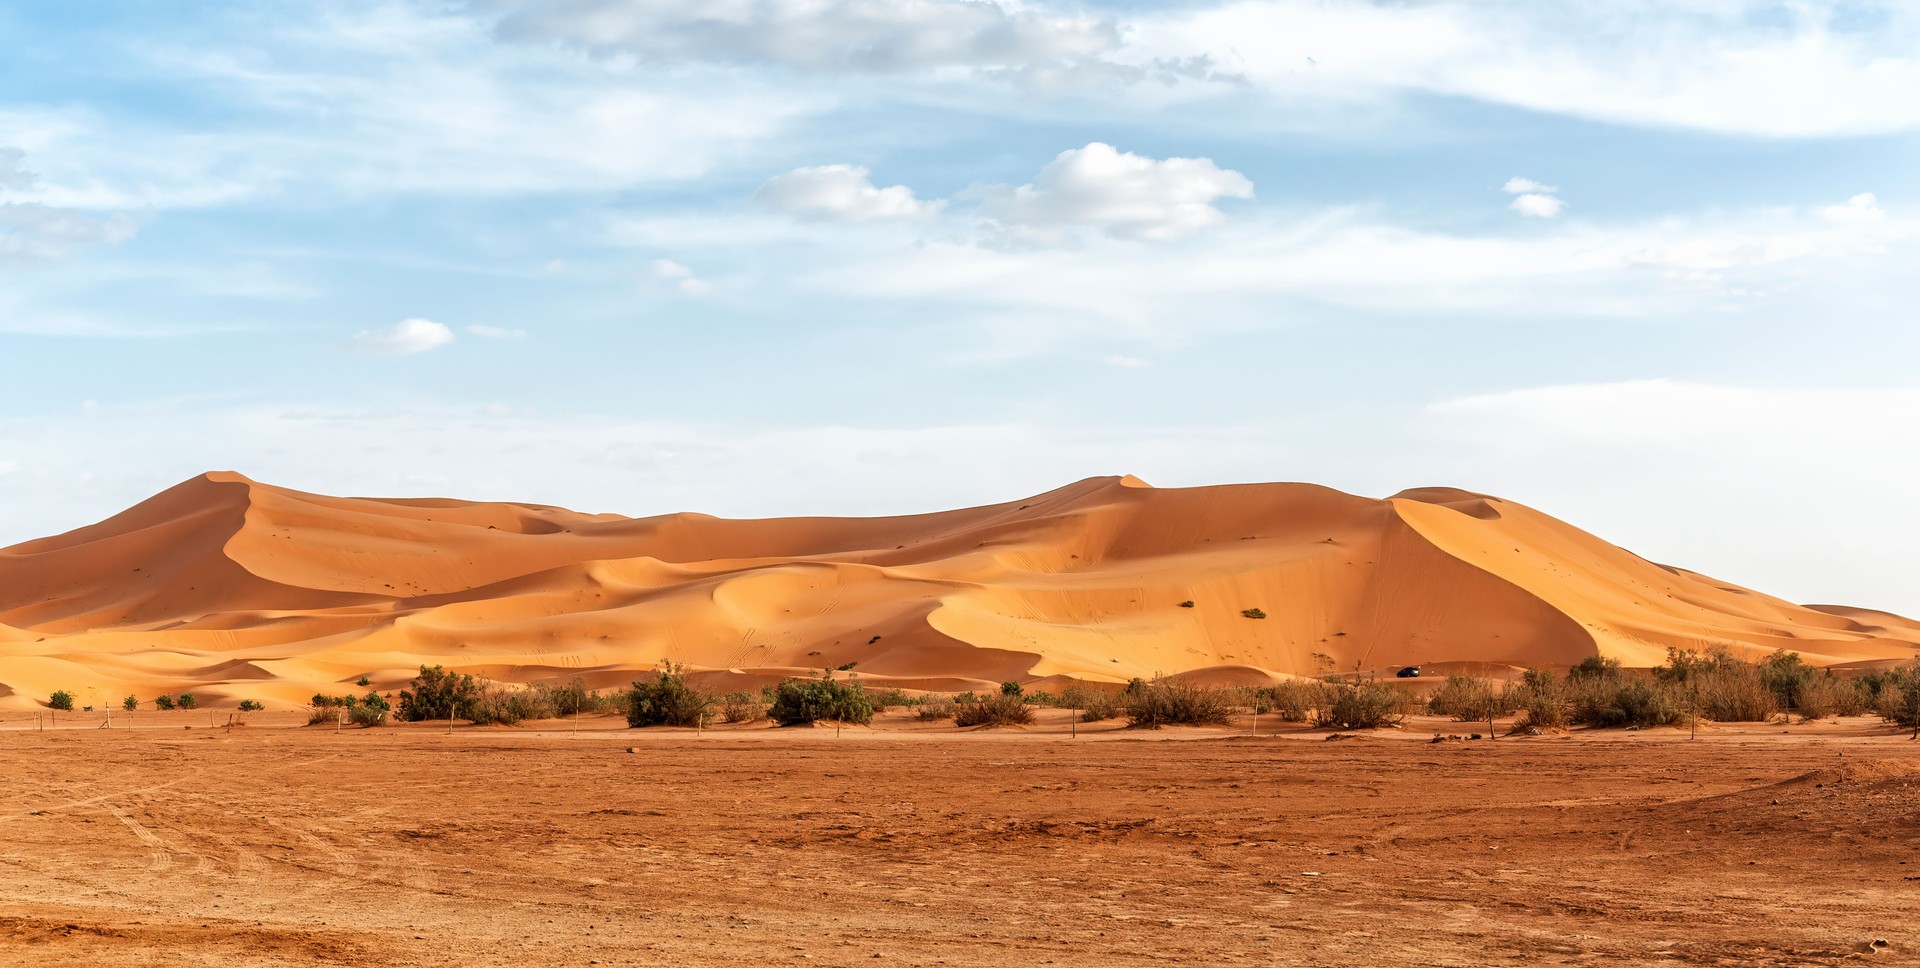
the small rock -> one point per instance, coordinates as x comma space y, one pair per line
633, 749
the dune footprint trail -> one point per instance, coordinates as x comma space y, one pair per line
235, 589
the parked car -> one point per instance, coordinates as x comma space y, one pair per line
1410, 672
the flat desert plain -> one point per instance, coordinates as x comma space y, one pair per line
579, 844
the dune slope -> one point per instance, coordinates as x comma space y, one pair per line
235, 589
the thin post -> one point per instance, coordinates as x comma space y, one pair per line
1073, 724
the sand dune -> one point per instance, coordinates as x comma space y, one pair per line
235, 589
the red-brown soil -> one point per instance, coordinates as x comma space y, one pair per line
416, 846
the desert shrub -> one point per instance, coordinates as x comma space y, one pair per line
1167, 702
1542, 701
742, 707
437, 694
1253, 613
130, 703
1594, 667
1787, 678
1720, 686
1187, 604
1825, 694
246, 705
667, 700
61, 700
1292, 701
163, 702
933, 710
573, 698
800, 701
367, 716
1627, 702
496, 705
885, 699
1005, 709
1094, 704
1899, 696
1010, 689
187, 701
323, 715
1365, 705
1468, 699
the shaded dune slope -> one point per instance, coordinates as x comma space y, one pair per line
242, 590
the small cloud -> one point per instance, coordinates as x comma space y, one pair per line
1126, 362
484, 331
404, 337
554, 267
1534, 205
11, 174
1124, 195
1864, 207
1521, 186
683, 278
839, 193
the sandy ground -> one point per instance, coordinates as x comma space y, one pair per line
274, 845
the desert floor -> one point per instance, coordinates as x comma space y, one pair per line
276, 845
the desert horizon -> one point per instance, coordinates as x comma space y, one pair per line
233, 590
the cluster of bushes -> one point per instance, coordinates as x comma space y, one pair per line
1008, 707
371, 709
797, 702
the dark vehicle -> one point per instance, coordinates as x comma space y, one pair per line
1410, 672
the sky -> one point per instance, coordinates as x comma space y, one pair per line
1648, 267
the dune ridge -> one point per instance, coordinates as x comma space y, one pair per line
236, 589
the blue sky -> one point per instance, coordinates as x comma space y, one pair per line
1646, 266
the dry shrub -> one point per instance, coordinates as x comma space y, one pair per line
742, 707
573, 697
1826, 695
1366, 705
1002, 709
1468, 699
886, 699
933, 710
1619, 701
1542, 701
1094, 704
1165, 702
1293, 701
498, 705
666, 701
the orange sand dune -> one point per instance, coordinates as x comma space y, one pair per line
234, 589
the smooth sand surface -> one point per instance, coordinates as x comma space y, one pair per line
235, 590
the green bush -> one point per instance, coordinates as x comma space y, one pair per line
1253, 613
1899, 698
497, 705
437, 694
1722, 687
797, 702
1005, 709
573, 698
163, 702
1166, 702
1010, 689
246, 705
61, 700
188, 702
667, 700
130, 703
886, 699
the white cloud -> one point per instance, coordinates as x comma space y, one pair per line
818, 36
484, 331
682, 277
403, 337
1863, 207
35, 230
839, 193
1754, 67
1535, 205
1124, 195
1518, 185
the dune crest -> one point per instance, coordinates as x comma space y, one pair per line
236, 589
